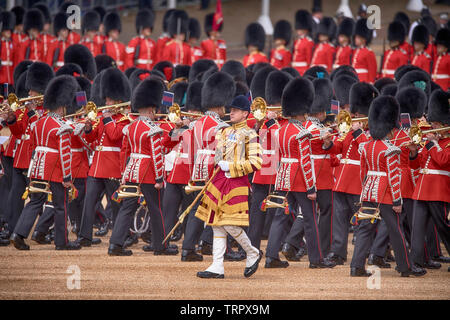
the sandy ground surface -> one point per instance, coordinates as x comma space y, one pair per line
42, 273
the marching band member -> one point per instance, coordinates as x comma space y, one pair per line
255, 39
325, 51
100, 37
51, 164
31, 47
303, 46
176, 50
193, 38
46, 35
7, 48
89, 27
280, 56
395, 56
141, 49
107, 135
112, 46
363, 59
441, 68
213, 47
420, 57
224, 205
344, 51
18, 33
165, 37
58, 46
73, 37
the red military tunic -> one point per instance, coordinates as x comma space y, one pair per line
100, 39
7, 61
17, 38
107, 136
115, 50
365, 64
321, 161
160, 45
177, 53
146, 162
432, 51
343, 56
52, 160
347, 172
55, 57
441, 71
215, 50
46, 41
141, 53
31, 49
80, 157
422, 60
73, 38
407, 48
380, 172
280, 57
393, 59
255, 57
295, 172
407, 182
324, 56
303, 49
196, 54
434, 179
94, 46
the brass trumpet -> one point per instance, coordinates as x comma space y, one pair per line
176, 113
416, 134
44, 187
14, 103
344, 123
268, 203
128, 191
259, 108
91, 110
360, 215
191, 187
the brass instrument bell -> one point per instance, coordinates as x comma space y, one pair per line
191, 187
129, 191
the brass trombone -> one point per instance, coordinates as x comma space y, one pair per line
268, 203
125, 192
14, 103
191, 187
259, 108
344, 123
91, 110
44, 187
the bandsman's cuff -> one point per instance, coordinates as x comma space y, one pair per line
429, 145
107, 120
357, 133
270, 123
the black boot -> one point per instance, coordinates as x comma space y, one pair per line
116, 250
18, 242
231, 255
170, 250
69, 246
325, 263
290, 252
190, 255
103, 231
205, 248
209, 275
84, 242
4, 242
415, 270
40, 238
275, 263
358, 272
430, 264
301, 252
335, 258
132, 239
375, 260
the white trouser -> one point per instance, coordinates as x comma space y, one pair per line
220, 245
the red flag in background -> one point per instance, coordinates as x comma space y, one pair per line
218, 16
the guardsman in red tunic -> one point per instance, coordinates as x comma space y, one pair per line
304, 45
141, 50
280, 56
381, 189
31, 47
264, 179
51, 163
106, 134
176, 50
255, 39
90, 26
144, 169
100, 37
38, 76
45, 36
112, 46
213, 47
58, 46
394, 57
295, 178
364, 61
441, 67
432, 192
217, 92
165, 37
420, 57
324, 51
193, 38
73, 37
345, 191
344, 51
7, 49
18, 34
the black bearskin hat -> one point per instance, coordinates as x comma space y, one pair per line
208, 24
389, 90
292, 71
21, 68
258, 85
402, 18
194, 31
42, 6
438, 107
178, 22
60, 92
297, 98
199, 67
402, 70
396, 32
384, 115
323, 93
148, 93
362, 30
166, 68
316, 72
218, 90
341, 88
7, 21
38, 76
33, 19
283, 30
145, 18
413, 101
346, 27
59, 22
255, 36
361, 96
194, 96
115, 85
380, 83
91, 21
103, 62
275, 83
181, 71
235, 69
416, 78
420, 34
328, 27
111, 22
443, 38
71, 69
344, 69
303, 20
82, 56
19, 12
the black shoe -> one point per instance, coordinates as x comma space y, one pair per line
301, 253
51, 234
415, 270
190, 255
103, 231
84, 242
441, 259
389, 257
148, 248
335, 258
132, 239
358, 272
146, 237
375, 260
40, 238
430, 264
252, 269
69, 246
234, 256
209, 275
75, 228
18, 242
4, 242
176, 236
325, 263
116, 250
289, 252
275, 263
205, 248
169, 251
5, 234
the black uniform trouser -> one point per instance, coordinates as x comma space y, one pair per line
344, 206
324, 202
258, 217
366, 231
34, 207
126, 213
94, 188
174, 197
15, 202
5, 185
424, 211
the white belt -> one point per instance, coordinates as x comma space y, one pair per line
25, 137
377, 173
7, 63
272, 152
350, 161
299, 64
78, 150
320, 156
102, 148
433, 171
441, 76
139, 156
59, 63
362, 71
289, 160
206, 151
389, 71
46, 149
219, 61
144, 61
182, 155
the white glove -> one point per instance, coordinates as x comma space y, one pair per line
224, 165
